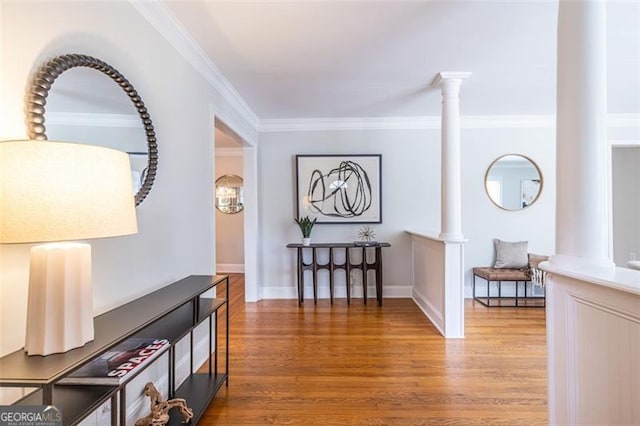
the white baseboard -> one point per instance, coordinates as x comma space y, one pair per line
233, 268
279, 293
429, 310
323, 292
397, 292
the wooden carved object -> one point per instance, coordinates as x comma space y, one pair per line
160, 407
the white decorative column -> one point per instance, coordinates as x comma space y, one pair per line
451, 207
593, 308
582, 154
438, 260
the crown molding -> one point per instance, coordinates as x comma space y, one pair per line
428, 123
161, 18
508, 122
229, 152
93, 119
364, 123
404, 123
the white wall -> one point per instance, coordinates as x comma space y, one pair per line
410, 165
626, 204
410, 197
482, 221
176, 220
229, 227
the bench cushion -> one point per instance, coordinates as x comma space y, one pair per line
501, 274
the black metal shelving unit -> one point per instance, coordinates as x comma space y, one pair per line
172, 312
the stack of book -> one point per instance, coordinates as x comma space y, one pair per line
118, 364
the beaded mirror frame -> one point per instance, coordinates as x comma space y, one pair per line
42, 83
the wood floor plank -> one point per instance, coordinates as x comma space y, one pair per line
369, 365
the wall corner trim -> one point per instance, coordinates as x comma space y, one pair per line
161, 18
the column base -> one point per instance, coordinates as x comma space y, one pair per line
450, 237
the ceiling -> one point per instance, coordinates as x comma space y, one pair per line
335, 59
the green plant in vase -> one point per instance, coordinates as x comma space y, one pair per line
306, 225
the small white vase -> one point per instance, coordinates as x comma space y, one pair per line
306, 241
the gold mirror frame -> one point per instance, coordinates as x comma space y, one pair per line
37, 100
229, 195
540, 178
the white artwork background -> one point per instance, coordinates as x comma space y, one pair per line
346, 185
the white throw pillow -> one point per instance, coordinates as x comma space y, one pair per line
511, 254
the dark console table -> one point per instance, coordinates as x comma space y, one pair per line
172, 312
347, 266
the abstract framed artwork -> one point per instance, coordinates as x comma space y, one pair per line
339, 188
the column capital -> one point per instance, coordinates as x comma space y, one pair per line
449, 75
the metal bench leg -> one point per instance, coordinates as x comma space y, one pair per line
474, 288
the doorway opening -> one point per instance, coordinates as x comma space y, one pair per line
236, 234
229, 162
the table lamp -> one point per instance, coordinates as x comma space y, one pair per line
54, 192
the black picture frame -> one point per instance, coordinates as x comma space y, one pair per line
339, 189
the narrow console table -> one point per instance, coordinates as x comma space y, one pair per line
347, 266
172, 312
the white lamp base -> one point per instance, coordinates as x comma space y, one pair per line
60, 307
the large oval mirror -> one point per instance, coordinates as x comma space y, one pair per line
513, 182
92, 103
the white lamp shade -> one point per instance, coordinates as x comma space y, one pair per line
57, 191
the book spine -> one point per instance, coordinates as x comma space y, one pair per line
137, 361
141, 357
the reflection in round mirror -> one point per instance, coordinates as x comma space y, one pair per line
513, 182
91, 102
86, 106
229, 194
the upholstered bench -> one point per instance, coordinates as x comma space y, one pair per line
530, 296
520, 277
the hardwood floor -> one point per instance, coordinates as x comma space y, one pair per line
365, 365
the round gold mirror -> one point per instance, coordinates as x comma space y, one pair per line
229, 194
513, 182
